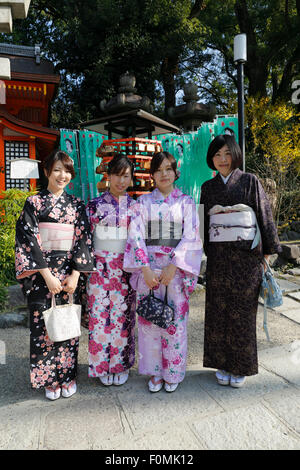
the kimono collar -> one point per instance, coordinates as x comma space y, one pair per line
159, 198
52, 196
108, 197
233, 178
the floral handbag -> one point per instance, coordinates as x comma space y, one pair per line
155, 310
270, 292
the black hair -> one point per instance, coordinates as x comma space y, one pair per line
59, 156
233, 146
119, 164
157, 160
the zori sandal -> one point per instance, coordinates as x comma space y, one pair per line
107, 379
170, 387
121, 378
155, 384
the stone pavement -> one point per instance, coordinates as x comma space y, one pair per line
200, 415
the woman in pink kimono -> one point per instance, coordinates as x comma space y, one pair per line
111, 300
164, 249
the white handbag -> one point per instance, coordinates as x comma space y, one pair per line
63, 321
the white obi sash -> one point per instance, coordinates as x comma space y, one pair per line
110, 238
233, 223
58, 237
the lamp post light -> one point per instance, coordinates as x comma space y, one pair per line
240, 57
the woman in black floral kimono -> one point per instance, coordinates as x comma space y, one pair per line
53, 246
238, 233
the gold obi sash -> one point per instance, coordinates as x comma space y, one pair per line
59, 237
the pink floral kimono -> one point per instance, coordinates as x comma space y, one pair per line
164, 231
111, 299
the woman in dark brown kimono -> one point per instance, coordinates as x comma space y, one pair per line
235, 254
53, 246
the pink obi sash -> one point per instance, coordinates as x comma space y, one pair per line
56, 236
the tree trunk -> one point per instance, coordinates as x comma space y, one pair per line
256, 68
169, 68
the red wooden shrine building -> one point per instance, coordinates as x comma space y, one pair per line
24, 110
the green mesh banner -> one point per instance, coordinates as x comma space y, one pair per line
189, 150
68, 143
82, 146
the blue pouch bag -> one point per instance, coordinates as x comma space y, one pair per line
270, 292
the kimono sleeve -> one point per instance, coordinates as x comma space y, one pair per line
188, 253
82, 253
269, 236
91, 216
136, 253
203, 202
29, 257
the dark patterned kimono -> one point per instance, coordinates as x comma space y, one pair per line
234, 273
52, 364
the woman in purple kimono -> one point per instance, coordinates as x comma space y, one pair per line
164, 249
238, 233
53, 246
111, 300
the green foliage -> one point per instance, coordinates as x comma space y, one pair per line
164, 43
3, 297
274, 146
11, 205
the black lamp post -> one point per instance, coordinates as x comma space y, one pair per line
240, 57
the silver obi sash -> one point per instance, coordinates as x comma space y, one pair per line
163, 233
110, 238
57, 237
233, 223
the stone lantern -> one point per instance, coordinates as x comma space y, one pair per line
191, 114
9, 10
126, 98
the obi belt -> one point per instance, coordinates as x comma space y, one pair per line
110, 238
163, 233
233, 223
56, 237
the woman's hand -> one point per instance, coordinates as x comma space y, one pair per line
167, 274
69, 284
150, 277
52, 282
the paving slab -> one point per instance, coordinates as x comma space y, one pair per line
20, 426
251, 428
287, 407
179, 437
288, 304
284, 361
286, 285
290, 308
145, 411
81, 424
255, 388
295, 295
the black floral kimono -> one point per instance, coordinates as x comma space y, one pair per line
52, 364
234, 273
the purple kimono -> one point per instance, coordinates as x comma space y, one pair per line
162, 352
111, 300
